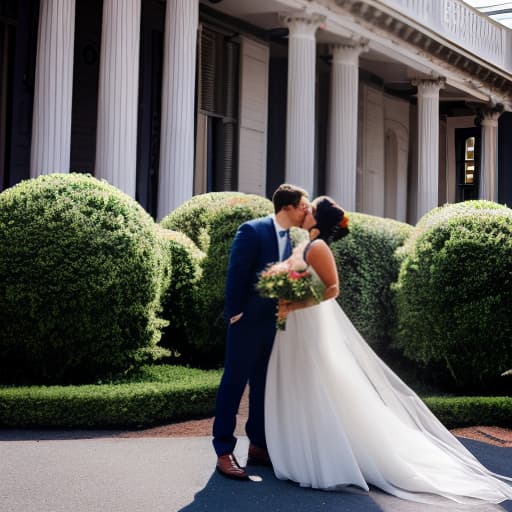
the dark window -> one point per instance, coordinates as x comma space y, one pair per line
218, 69
467, 147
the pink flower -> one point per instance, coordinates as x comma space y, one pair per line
298, 275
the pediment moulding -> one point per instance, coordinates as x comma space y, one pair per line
407, 31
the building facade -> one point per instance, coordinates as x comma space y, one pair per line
390, 106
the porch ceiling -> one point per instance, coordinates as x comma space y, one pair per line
392, 68
397, 77
261, 13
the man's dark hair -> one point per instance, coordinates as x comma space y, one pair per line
286, 195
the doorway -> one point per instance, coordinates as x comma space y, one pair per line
467, 154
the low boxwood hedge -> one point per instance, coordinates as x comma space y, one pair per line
454, 295
160, 394
468, 411
165, 394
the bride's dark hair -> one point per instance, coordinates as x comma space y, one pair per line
331, 220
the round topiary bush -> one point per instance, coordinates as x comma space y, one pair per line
211, 221
454, 294
367, 267
439, 214
181, 298
81, 274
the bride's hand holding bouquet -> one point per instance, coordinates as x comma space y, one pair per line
291, 283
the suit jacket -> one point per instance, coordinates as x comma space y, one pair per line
253, 248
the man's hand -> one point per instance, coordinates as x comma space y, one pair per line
235, 318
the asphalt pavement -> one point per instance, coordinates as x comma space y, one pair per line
81, 471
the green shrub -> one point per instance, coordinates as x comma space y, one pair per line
211, 221
164, 394
454, 294
468, 411
154, 395
81, 273
440, 214
367, 267
181, 298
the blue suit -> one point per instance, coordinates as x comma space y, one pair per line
249, 340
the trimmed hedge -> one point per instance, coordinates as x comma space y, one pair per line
367, 266
468, 411
454, 294
181, 297
211, 221
164, 394
156, 395
81, 274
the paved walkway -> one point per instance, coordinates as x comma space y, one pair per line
81, 471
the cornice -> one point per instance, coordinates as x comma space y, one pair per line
398, 28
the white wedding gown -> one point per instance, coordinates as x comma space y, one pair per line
336, 415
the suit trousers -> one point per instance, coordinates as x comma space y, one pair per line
248, 347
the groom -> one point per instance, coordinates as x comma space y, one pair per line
251, 327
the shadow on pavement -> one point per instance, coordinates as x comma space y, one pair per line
273, 495
270, 494
55, 435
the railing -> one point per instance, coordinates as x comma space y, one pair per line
462, 25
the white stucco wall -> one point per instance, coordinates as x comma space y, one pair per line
370, 158
396, 150
383, 154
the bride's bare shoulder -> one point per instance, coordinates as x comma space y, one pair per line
319, 254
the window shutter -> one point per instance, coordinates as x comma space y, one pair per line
253, 117
207, 70
230, 96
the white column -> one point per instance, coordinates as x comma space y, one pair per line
489, 161
342, 149
51, 122
300, 120
428, 144
176, 169
116, 135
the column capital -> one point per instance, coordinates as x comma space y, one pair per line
348, 53
429, 86
302, 25
489, 115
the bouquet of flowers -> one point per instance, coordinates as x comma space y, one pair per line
289, 280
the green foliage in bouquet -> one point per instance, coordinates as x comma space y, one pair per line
181, 297
81, 274
367, 267
290, 280
211, 221
454, 294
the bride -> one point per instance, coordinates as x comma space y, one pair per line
337, 416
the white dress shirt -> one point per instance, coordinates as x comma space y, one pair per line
281, 240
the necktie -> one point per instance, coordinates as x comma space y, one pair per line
288, 247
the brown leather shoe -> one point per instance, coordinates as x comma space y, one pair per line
228, 466
258, 456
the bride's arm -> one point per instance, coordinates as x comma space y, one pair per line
320, 257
